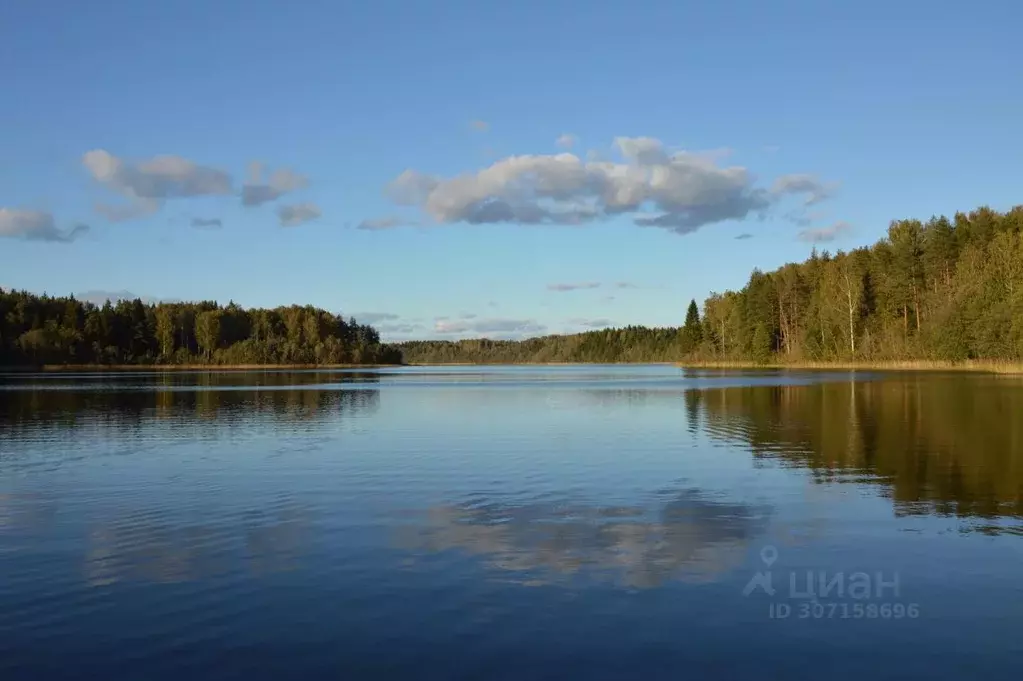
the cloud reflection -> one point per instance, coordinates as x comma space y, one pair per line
687, 536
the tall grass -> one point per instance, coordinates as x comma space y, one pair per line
979, 365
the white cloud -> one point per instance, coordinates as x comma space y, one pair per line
566, 140
297, 214
825, 234
100, 297
719, 154
815, 190
680, 192
561, 287
374, 224
645, 150
599, 323
374, 317
411, 188
35, 225
392, 330
158, 178
451, 326
120, 213
146, 184
573, 286
517, 327
280, 182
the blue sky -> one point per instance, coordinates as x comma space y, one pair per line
682, 126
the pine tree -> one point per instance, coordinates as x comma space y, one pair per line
692, 332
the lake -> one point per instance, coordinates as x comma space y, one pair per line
563, 522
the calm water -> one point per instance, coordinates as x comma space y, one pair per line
511, 523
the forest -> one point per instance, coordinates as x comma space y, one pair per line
629, 344
44, 330
948, 289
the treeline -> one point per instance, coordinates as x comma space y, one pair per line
944, 289
629, 344
37, 330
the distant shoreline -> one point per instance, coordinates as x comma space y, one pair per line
534, 364
978, 366
56, 368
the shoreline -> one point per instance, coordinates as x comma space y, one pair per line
56, 368
976, 366
534, 364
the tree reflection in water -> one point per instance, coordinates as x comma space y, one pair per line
933, 444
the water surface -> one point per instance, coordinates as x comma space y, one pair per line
511, 523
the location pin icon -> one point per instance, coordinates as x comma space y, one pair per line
768, 554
